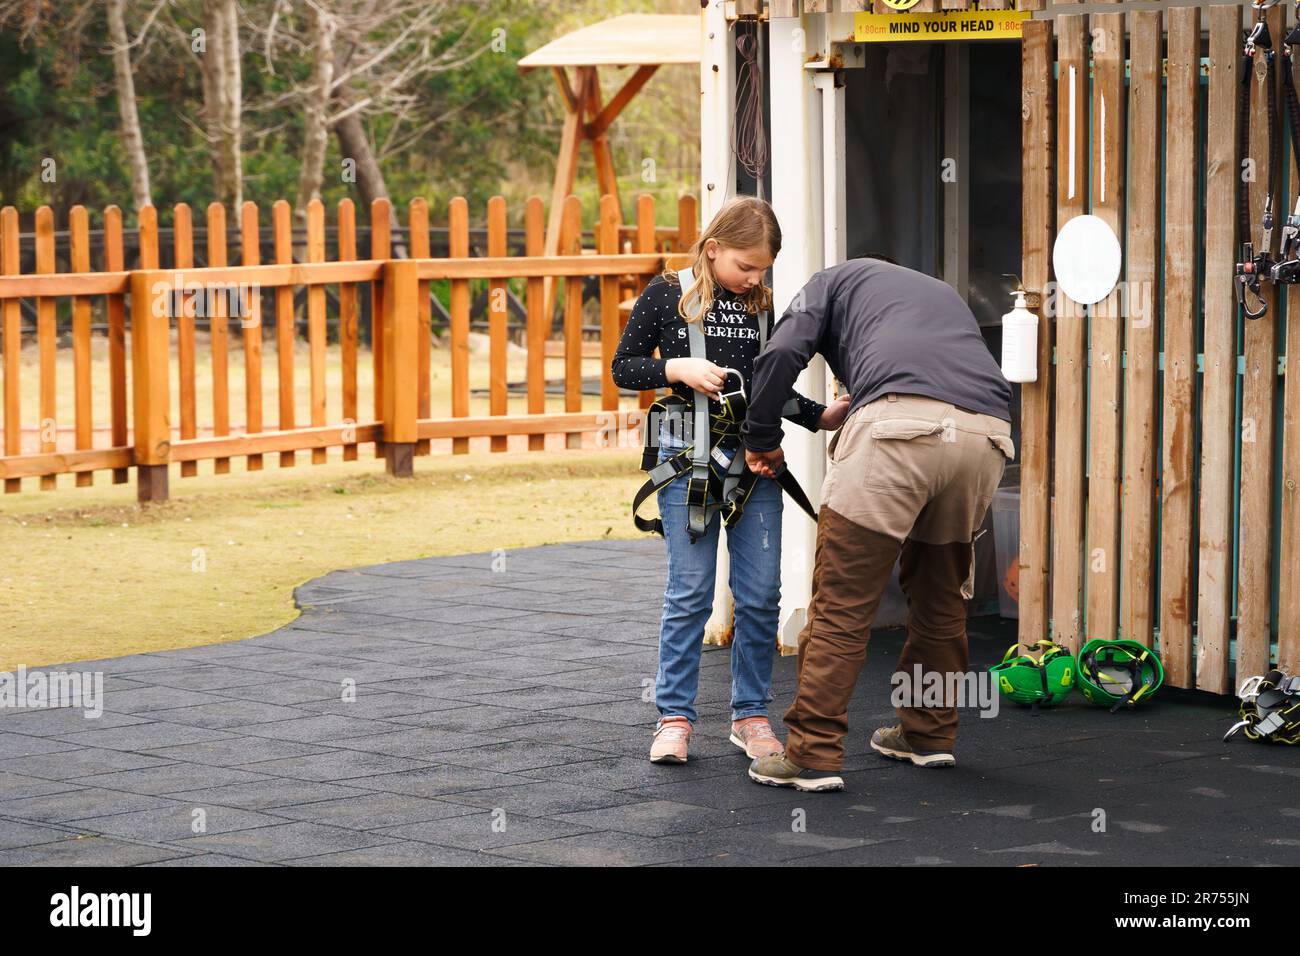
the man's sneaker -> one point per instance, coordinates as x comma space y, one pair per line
754, 736
672, 736
780, 771
890, 742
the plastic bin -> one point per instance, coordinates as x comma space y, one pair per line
1006, 543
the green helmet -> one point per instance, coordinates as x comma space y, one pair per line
1044, 680
1115, 673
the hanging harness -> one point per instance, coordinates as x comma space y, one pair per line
1270, 709
719, 479
1256, 267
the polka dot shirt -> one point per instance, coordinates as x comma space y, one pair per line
730, 340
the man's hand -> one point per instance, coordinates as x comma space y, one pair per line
834, 414
765, 463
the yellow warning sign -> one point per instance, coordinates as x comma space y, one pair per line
953, 25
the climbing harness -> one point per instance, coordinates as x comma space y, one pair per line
1044, 681
1270, 709
1260, 266
719, 479
1118, 673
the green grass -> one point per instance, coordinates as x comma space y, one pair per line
87, 573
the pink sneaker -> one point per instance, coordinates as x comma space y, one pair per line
754, 736
672, 736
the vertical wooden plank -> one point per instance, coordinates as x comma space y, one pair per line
1071, 338
1108, 157
1219, 382
114, 261
1037, 229
1288, 620
348, 321
400, 397
1176, 503
284, 324
418, 218
150, 340
381, 247
688, 223
79, 256
496, 224
645, 230
150, 334
1141, 330
607, 244
220, 332
538, 326
316, 320
251, 324
47, 340
10, 263
571, 245
1254, 548
458, 248
184, 310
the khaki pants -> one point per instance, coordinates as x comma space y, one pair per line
910, 477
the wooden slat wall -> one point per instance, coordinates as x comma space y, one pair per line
11, 314
1219, 381
1107, 343
1037, 230
1254, 560
1071, 338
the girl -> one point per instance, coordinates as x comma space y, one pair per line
727, 296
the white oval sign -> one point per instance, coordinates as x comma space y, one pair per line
1086, 259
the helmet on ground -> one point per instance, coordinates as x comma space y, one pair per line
1044, 680
1118, 673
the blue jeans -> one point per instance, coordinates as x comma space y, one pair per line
755, 547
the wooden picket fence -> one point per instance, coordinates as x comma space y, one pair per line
1125, 529
162, 304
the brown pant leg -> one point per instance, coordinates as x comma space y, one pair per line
852, 569
931, 576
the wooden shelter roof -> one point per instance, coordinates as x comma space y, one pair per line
634, 39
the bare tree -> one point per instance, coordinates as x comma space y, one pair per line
124, 79
316, 107
223, 98
376, 53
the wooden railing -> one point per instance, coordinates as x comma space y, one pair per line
164, 304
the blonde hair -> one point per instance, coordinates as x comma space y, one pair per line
743, 222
